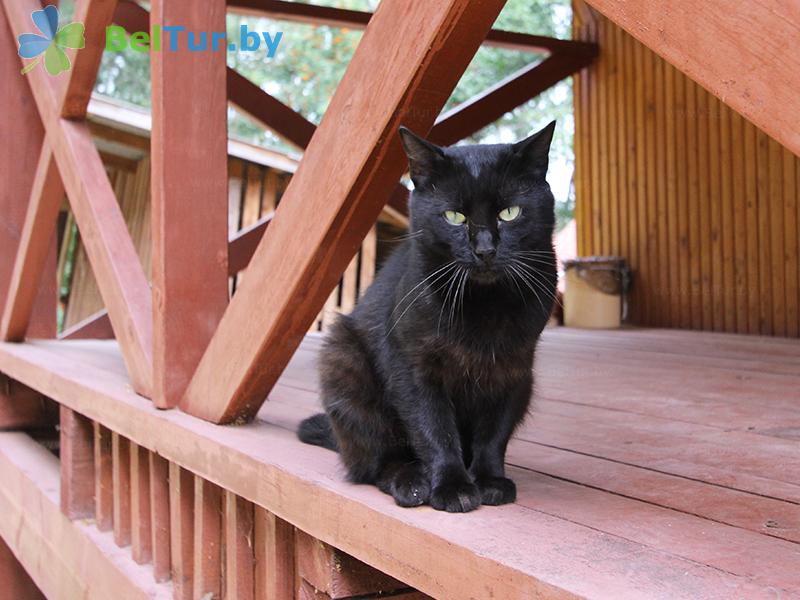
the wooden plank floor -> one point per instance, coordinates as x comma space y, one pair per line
685, 443
655, 464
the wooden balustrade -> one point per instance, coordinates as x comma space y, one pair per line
208, 541
113, 517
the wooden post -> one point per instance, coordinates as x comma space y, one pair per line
336, 197
189, 196
77, 465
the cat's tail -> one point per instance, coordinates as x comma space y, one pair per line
317, 430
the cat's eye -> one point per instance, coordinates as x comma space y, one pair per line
454, 218
509, 214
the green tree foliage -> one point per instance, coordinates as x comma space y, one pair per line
311, 61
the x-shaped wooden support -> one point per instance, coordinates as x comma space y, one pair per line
336, 194
69, 145
251, 346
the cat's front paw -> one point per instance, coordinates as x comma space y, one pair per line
497, 490
411, 488
462, 496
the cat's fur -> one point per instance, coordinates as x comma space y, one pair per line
424, 383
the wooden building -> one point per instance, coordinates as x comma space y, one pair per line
703, 203
661, 461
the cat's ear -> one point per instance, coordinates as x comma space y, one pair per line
423, 156
534, 152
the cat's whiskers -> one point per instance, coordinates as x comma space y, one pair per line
411, 291
450, 286
405, 236
451, 312
534, 277
464, 280
515, 269
535, 263
513, 280
441, 275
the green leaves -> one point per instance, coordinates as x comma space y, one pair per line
55, 60
71, 36
51, 43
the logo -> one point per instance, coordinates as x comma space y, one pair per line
52, 43
175, 37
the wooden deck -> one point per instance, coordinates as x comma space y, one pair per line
655, 464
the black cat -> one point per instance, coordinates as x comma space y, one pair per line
424, 383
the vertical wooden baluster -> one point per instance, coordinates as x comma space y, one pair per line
141, 534
160, 516
103, 479
77, 465
181, 522
369, 250
121, 477
207, 539
274, 550
239, 549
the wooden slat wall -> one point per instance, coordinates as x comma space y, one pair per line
254, 191
703, 205
132, 188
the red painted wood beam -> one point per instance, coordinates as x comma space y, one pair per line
745, 53
355, 19
336, 196
266, 109
189, 185
38, 234
487, 107
75, 94
119, 273
95, 327
35, 246
243, 245
23, 136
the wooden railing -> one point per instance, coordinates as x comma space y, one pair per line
169, 337
183, 343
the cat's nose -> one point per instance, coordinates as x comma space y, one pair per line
484, 246
485, 252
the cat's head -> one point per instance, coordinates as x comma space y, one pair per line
481, 205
